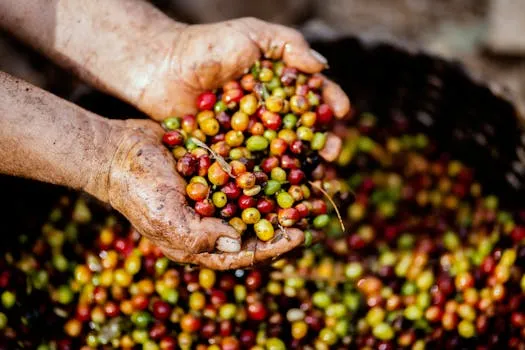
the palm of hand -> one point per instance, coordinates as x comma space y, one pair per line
145, 187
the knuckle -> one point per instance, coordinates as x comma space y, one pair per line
294, 36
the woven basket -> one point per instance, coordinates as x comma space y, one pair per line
438, 97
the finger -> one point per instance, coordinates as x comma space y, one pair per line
283, 242
336, 98
254, 251
317, 236
215, 261
177, 255
193, 233
219, 234
280, 42
295, 50
332, 147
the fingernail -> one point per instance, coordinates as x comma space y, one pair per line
228, 245
319, 57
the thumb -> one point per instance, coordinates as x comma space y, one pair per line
220, 235
253, 252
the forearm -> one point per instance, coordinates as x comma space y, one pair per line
109, 43
45, 138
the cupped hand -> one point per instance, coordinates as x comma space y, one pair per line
203, 57
144, 184
145, 187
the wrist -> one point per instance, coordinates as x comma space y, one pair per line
98, 171
115, 45
114, 161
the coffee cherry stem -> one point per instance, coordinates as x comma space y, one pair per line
332, 202
282, 233
224, 164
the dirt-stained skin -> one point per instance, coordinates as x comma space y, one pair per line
120, 162
133, 51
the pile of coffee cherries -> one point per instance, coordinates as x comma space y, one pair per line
427, 260
250, 152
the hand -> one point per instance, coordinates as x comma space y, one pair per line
145, 187
203, 57
160, 66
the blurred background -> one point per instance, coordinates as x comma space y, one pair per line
487, 36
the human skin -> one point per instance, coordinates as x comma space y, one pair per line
132, 51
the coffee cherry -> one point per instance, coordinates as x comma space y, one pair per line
172, 123
245, 202
274, 104
269, 163
232, 96
210, 126
304, 133
288, 162
188, 124
318, 207
161, 309
187, 165
299, 104
228, 211
217, 175
284, 200
239, 121
234, 138
219, 199
324, 114
278, 147
248, 82
205, 208
231, 190
173, 138
248, 104
197, 191
265, 75
296, 147
206, 101
246, 180
272, 187
265, 205
296, 176
231, 85
190, 323
288, 217
271, 120
238, 224
250, 216
257, 311
204, 165
257, 143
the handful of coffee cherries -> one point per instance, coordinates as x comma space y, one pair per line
257, 152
